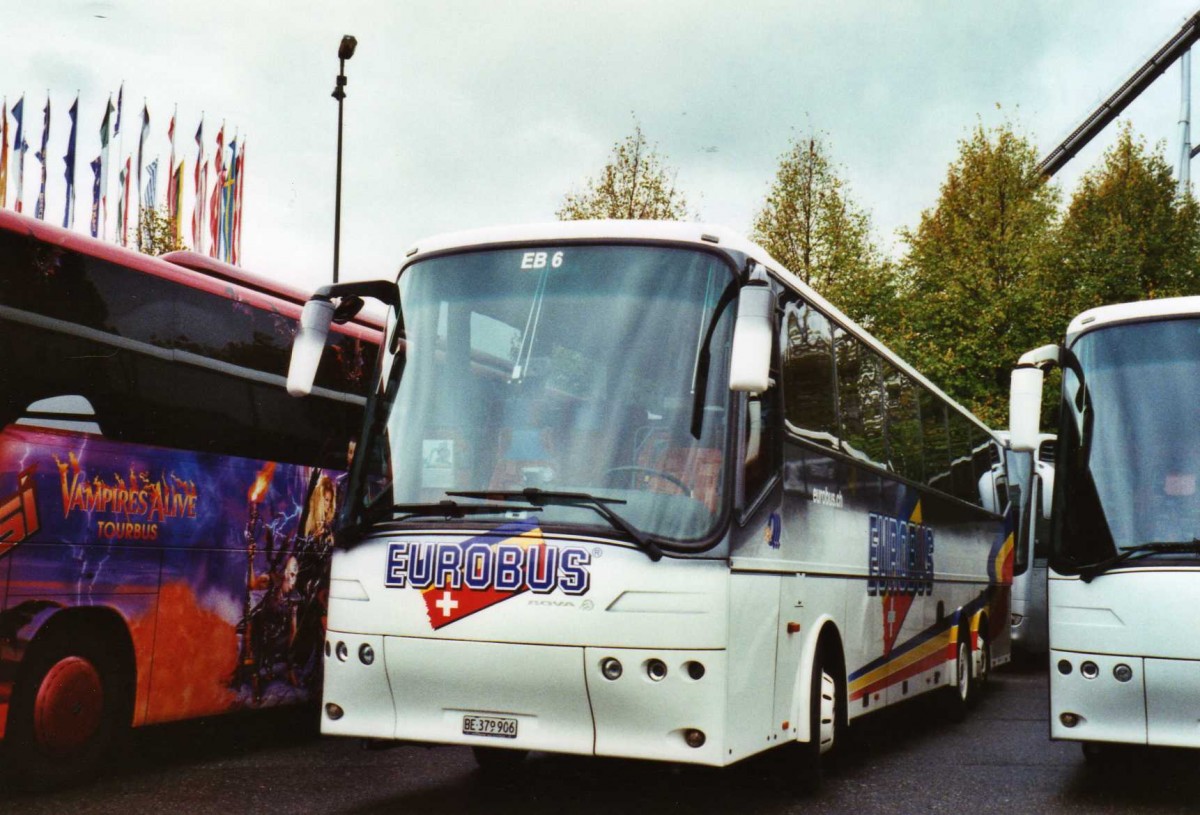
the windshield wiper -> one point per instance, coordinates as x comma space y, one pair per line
378, 512
596, 503
1092, 571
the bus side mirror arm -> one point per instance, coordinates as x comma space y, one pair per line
1025, 396
319, 313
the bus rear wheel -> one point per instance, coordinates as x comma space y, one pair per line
68, 709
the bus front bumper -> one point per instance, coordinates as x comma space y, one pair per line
529, 697
1124, 699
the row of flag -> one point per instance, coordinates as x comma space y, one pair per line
216, 224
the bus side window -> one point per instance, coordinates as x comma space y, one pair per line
68, 412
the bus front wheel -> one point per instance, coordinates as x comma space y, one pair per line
68, 708
822, 728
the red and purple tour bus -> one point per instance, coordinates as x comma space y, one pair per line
166, 510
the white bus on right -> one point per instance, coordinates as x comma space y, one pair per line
1124, 559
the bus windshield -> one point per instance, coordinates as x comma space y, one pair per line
563, 369
1128, 476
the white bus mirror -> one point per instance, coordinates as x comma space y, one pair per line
750, 368
1025, 409
308, 346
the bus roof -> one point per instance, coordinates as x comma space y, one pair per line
1132, 312
682, 231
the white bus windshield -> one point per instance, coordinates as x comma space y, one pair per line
564, 368
1130, 475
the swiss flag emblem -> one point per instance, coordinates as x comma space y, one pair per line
446, 604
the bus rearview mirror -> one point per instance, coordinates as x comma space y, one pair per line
308, 346
1025, 408
750, 368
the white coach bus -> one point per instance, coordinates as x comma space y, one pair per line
633, 489
1124, 557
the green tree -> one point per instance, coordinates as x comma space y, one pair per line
635, 184
970, 282
1127, 234
158, 236
809, 224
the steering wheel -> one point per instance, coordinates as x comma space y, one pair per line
633, 469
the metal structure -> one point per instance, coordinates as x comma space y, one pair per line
1111, 108
345, 51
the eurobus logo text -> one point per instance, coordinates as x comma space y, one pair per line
482, 566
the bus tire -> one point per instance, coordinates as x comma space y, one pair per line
70, 707
980, 680
499, 765
958, 696
823, 726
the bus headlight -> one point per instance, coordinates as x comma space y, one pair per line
366, 654
343, 653
611, 668
1122, 672
1089, 670
656, 669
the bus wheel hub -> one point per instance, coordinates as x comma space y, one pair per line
69, 706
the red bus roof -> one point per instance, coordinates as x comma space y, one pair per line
186, 268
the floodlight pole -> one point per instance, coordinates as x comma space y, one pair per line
345, 51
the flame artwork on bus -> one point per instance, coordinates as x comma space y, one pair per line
166, 514
632, 489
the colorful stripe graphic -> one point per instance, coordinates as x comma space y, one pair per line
931, 647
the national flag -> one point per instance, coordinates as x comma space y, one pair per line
39, 210
151, 197
227, 191
4, 154
172, 189
201, 177
120, 104
104, 139
141, 151
175, 210
237, 206
214, 214
69, 160
20, 146
97, 167
120, 206
124, 179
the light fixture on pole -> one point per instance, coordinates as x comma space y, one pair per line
345, 51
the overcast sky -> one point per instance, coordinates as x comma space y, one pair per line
466, 113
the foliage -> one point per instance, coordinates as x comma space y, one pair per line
971, 276
158, 236
809, 225
635, 184
1127, 235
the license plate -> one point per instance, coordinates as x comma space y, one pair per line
496, 726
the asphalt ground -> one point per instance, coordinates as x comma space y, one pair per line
1000, 760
